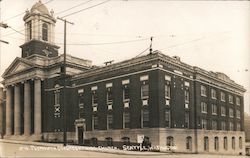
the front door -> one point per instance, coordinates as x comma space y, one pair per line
80, 136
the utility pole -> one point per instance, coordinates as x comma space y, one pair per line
63, 73
150, 47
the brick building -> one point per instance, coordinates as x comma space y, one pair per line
166, 101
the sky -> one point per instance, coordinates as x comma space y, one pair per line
213, 35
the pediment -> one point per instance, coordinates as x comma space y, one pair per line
18, 65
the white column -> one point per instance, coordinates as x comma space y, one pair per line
37, 107
9, 111
27, 109
1, 111
17, 110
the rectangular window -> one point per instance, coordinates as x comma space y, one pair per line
203, 124
203, 107
214, 109
125, 82
94, 98
81, 107
125, 93
189, 143
109, 95
167, 90
238, 113
230, 99
126, 120
167, 118
203, 91
94, 123
237, 101
206, 144
109, 121
57, 110
213, 94
144, 91
145, 118
57, 97
238, 126
167, 78
186, 93
186, 119
144, 78
231, 112
222, 96
186, 84
80, 91
223, 111
223, 125
214, 125
231, 126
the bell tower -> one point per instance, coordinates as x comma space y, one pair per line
39, 32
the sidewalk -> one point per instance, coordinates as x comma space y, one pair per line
83, 148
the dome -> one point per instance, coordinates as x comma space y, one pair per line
40, 8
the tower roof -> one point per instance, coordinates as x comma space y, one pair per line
39, 7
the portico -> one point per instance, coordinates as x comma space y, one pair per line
19, 109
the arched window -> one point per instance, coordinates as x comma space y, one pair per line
206, 144
189, 143
94, 142
240, 142
216, 143
45, 32
225, 143
233, 143
109, 141
170, 141
126, 141
29, 30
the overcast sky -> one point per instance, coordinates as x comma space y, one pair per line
213, 35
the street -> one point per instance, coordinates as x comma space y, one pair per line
8, 149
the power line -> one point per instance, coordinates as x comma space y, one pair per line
106, 43
86, 8
25, 12
74, 7
142, 52
60, 13
176, 45
17, 31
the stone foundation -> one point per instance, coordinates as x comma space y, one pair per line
157, 137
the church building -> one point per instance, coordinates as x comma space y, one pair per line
159, 98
